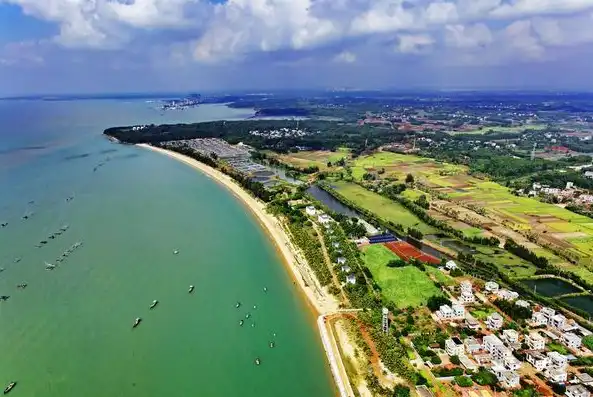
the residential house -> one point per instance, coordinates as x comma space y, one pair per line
507, 295
466, 297
335, 244
556, 375
535, 341
472, 345
490, 342
458, 311
345, 269
324, 219
588, 174
558, 321
501, 354
494, 321
522, 303
557, 360
466, 286
482, 358
538, 359
351, 279
450, 265
454, 346
577, 391
508, 379
539, 318
310, 210
467, 363
491, 287
510, 336
571, 340
548, 312
445, 312
585, 378
341, 260
471, 322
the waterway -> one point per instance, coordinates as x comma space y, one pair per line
581, 302
69, 332
551, 286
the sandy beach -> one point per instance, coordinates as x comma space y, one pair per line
318, 298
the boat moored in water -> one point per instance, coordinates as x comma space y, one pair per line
241, 322
191, 289
238, 305
257, 362
272, 345
8, 388
154, 303
136, 322
4, 297
22, 286
265, 289
175, 252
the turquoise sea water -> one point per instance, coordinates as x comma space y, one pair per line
69, 332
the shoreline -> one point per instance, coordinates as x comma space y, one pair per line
317, 299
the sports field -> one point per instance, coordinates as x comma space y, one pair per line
383, 207
404, 286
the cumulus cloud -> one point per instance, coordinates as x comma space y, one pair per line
345, 57
414, 44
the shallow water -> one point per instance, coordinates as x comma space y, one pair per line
69, 332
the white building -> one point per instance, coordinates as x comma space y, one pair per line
472, 345
548, 312
577, 391
471, 322
507, 295
491, 287
341, 260
510, 336
450, 265
535, 341
571, 340
490, 342
466, 297
556, 375
539, 318
458, 311
324, 219
351, 279
345, 269
335, 244
522, 303
310, 210
454, 346
466, 286
557, 360
508, 379
494, 321
539, 360
445, 312
558, 321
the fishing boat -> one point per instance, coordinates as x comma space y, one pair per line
175, 252
241, 322
49, 266
5, 224
272, 344
17, 260
22, 286
136, 322
247, 315
43, 242
254, 306
191, 289
265, 289
257, 362
1, 269
4, 297
238, 305
8, 388
252, 325
154, 303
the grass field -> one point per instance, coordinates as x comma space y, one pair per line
405, 286
313, 158
485, 130
440, 276
483, 313
383, 207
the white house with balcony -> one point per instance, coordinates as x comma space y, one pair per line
507, 295
454, 346
522, 303
447, 312
556, 375
324, 219
491, 287
458, 311
539, 360
466, 297
571, 340
466, 286
557, 360
494, 321
341, 260
507, 378
558, 321
510, 336
577, 391
351, 279
450, 265
310, 210
535, 341
472, 344
539, 318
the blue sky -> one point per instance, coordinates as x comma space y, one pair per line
86, 46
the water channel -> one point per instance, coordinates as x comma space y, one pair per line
551, 286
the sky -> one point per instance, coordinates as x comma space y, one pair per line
99, 46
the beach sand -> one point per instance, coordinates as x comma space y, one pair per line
321, 301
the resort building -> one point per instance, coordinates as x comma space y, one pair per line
508, 379
324, 219
458, 311
466, 297
450, 265
494, 321
310, 210
577, 391
522, 303
539, 360
341, 260
535, 341
507, 295
557, 360
472, 345
351, 279
539, 318
571, 340
558, 321
454, 346
445, 312
491, 287
510, 336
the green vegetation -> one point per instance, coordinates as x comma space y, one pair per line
303, 237
464, 381
482, 313
404, 286
557, 347
381, 206
484, 377
588, 342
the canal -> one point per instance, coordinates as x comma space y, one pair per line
551, 286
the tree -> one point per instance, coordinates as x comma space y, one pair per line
464, 381
588, 341
456, 272
329, 164
409, 178
401, 391
436, 301
455, 360
436, 360
397, 263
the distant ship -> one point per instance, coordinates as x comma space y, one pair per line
8, 388
136, 322
154, 303
191, 289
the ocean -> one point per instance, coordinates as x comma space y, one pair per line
69, 332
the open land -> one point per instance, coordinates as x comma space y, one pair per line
405, 286
318, 158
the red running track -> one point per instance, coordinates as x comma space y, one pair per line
407, 251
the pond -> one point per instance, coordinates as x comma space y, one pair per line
551, 286
581, 302
331, 202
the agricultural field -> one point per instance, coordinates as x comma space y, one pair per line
383, 207
506, 262
485, 130
313, 158
404, 286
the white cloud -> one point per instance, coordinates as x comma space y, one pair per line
472, 36
345, 57
414, 44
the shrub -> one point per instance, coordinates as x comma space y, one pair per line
455, 360
463, 381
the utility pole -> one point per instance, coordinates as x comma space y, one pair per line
533, 151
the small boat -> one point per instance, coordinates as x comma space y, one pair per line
22, 286
17, 260
265, 289
254, 306
272, 344
136, 322
247, 315
43, 242
4, 297
241, 322
238, 305
1, 269
252, 325
175, 252
49, 266
8, 388
5, 224
154, 303
257, 362
191, 289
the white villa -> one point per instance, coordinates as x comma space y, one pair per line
571, 340
539, 360
310, 210
450, 265
494, 321
351, 279
454, 347
535, 341
491, 287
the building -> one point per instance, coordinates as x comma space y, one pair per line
351, 279
450, 265
522, 303
467, 297
507, 295
471, 322
508, 379
335, 244
557, 360
538, 359
385, 320
324, 219
558, 321
510, 336
310, 210
585, 378
535, 341
458, 311
454, 346
445, 312
472, 345
341, 260
494, 321
467, 363
571, 340
466, 286
539, 318
556, 375
491, 287
548, 312
490, 342
577, 391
